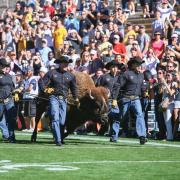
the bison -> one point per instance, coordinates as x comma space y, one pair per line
93, 105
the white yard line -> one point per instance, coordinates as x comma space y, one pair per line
116, 162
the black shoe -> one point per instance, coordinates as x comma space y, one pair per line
4, 139
113, 140
58, 144
142, 140
12, 141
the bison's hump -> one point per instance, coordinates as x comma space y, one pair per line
84, 84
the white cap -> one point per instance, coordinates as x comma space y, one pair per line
174, 35
93, 51
116, 36
174, 13
43, 69
50, 1
44, 40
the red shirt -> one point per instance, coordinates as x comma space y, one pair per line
50, 9
158, 47
119, 48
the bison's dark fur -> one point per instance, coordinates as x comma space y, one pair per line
93, 105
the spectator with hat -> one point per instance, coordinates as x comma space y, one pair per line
95, 63
118, 48
57, 83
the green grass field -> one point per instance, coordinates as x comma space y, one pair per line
88, 157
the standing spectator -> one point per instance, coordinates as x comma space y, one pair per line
170, 24
49, 8
44, 52
158, 24
92, 13
176, 110
30, 91
71, 22
143, 40
85, 26
96, 63
118, 48
145, 6
151, 62
158, 45
8, 39
168, 92
158, 94
59, 35
165, 9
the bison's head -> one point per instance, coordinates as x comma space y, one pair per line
94, 103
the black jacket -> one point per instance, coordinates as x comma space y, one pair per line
129, 83
61, 82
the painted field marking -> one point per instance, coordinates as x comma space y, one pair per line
6, 165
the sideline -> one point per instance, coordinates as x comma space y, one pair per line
105, 139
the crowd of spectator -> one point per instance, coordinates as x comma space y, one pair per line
93, 33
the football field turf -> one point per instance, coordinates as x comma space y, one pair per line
88, 157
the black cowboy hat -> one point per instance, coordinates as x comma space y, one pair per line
3, 62
63, 59
112, 63
135, 60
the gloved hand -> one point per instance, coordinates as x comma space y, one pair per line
114, 103
16, 97
16, 91
49, 90
77, 103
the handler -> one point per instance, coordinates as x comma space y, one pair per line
57, 83
131, 83
7, 110
108, 80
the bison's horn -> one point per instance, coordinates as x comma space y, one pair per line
90, 95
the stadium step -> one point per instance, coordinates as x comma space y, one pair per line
138, 19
